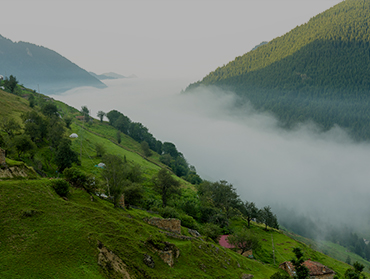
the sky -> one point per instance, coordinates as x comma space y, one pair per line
153, 39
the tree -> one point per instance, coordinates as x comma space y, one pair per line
55, 131
170, 148
79, 179
221, 194
113, 116
49, 109
101, 115
145, 148
244, 240
249, 210
9, 126
10, 83
31, 99
65, 156
301, 271
165, 185
100, 150
23, 143
266, 216
122, 124
356, 272
115, 173
211, 231
133, 193
68, 121
86, 113
118, 135
35, 125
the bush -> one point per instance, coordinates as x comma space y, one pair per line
133, 194
61, 187
169, 212
280, 275
79, 179
211, 231
189, 222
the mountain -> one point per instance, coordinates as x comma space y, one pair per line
318, 71
261, 44
109, 75
42, 69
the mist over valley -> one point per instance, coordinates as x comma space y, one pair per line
320, 175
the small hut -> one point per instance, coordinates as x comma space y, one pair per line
317, 270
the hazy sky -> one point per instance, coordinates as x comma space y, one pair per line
153, 38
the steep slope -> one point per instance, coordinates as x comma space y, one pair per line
41, 68
318, 71
44, 236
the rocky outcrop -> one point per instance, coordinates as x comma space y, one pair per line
194, 233
148, 260
111, 262
168, 252
2, 158
13, 172
122, 201
170, 224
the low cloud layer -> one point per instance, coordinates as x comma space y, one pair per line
319, 174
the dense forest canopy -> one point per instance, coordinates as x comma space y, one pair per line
318, 71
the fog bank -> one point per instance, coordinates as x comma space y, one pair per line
319, 174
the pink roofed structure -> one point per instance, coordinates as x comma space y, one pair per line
223, 242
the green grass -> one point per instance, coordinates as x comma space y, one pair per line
44, 236
12, 106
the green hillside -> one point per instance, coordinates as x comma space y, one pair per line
318, 71
80, 235
42, 69
45, 236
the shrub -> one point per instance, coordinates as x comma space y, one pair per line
79, 179
189, 222
211, 231
134, 194
280, 275
169, 212
61, 187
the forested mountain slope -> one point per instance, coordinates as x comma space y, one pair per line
41, 68
318, 71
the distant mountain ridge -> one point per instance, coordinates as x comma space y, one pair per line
318, 71
41, 68
109, 75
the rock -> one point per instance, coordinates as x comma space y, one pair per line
194, 233
148, 260
170, 224
247, 276
110, 261
168, 252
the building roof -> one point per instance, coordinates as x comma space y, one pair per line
224, 243
314, 268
